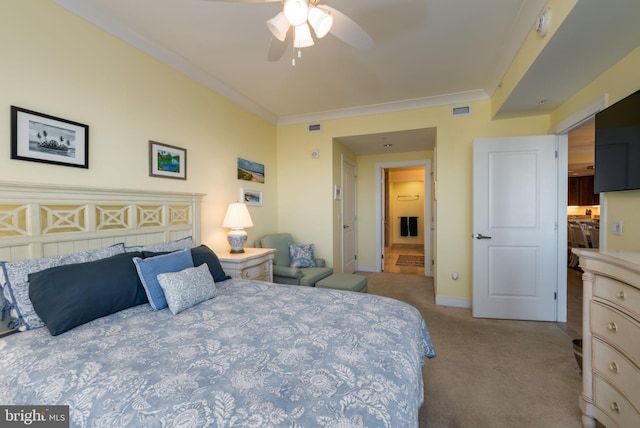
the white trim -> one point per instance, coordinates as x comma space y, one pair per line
562, 146
581, 116
354, 201
417, 103
455, 302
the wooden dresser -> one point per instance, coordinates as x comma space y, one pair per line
610, 338
254, 263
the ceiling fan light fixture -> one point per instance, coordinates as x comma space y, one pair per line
279, 25
296, 11
320, 20
302, 37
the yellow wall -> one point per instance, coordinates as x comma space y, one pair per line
406, 199
58, 64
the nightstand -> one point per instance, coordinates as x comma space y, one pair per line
254, 263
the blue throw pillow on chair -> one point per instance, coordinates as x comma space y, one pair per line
301, 255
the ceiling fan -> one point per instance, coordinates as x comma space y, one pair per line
294, 23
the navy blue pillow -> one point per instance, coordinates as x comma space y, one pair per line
67, 296
202, 254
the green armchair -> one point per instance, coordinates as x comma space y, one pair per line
283, 273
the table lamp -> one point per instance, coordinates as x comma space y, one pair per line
236, 219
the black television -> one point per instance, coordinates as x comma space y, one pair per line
617, 146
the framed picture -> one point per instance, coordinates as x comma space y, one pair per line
250, 171
337, 192
251, 197
39, 137
167, 161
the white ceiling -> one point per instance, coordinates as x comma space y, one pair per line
426, 52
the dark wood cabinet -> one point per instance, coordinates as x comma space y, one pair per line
580, 191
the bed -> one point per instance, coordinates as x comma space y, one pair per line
247, 353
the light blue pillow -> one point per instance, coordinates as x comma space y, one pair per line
149, 269
301, 255
187, 288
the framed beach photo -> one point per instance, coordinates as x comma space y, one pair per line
251, 197
167, 161
43, 138
250, 171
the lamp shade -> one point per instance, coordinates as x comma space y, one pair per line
278, 25
303, 37
237, 217
320, 20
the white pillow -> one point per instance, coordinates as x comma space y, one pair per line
187, 288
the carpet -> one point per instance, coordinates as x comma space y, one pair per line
508, 373
410, 260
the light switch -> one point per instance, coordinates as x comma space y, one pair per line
616, 227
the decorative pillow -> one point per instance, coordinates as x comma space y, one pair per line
203, 254
149, 269
180, 244
301, 255
15, 285
200, 255
67, 296
187, 288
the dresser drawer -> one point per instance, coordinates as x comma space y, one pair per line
613, 404
618, 293
616, 329
617, 370
256, 272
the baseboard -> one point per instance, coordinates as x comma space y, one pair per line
453, 301
363, 268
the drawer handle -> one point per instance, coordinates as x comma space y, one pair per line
613, 367
246, 274
621, 295
614, 406
612, 327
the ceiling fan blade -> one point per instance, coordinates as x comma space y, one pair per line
278, 48
347, 30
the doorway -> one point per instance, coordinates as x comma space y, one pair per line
403, 216
581, 208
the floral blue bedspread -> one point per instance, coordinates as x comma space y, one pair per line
257, 355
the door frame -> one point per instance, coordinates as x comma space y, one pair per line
354, 202
426, 224
562, 129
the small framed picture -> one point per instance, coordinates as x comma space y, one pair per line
167, 161
337, 192
39, 137
251, 197
250, 171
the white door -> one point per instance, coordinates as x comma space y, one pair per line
515, 210
348, 216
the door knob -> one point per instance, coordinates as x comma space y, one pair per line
481, 236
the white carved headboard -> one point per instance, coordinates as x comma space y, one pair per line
40, 220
